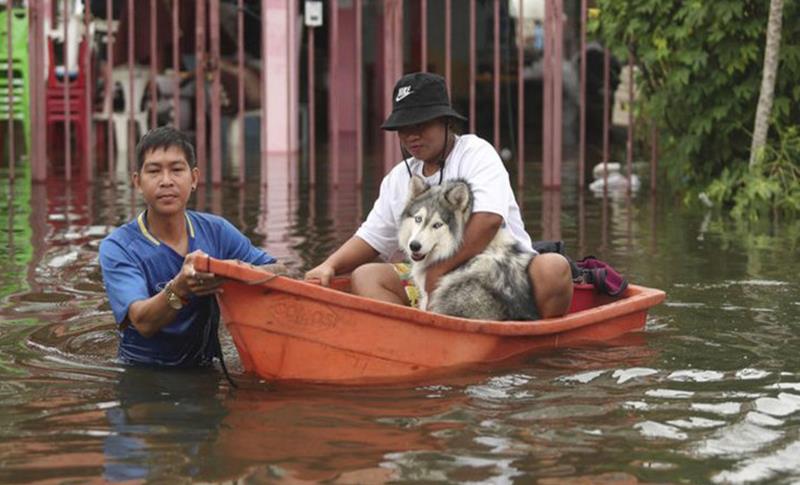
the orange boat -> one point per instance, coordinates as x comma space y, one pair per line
286, 329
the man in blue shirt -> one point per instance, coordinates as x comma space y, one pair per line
166, 310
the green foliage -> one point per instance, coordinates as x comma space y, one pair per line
701, 65
771, 187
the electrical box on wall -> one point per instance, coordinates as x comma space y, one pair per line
313, 12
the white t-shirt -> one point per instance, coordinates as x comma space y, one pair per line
472, 159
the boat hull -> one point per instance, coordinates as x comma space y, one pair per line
286, 329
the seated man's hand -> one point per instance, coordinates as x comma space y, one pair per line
432, 276
323, 273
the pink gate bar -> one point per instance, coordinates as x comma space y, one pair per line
216, 93
520, 97
67, 110
333, 38
111, 162
10, 81
551, 140
630, 119
423, 23
448, 34
472, 66
36, 38
547, 95
240, 148
653, 155
176, 64
263, 90
558, 20
582, 87
606, 116
200, 90
359, 95
496, 80
88, 132
312, 117
130, 100
153, 69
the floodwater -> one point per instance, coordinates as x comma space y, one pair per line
708, 393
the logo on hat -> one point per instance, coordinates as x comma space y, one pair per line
402, 93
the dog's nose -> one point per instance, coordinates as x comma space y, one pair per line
414, 246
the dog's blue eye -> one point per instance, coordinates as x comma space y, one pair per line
418, 219
437, 225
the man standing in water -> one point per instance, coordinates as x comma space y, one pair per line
166, 310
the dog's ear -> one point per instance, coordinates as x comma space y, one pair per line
459, 195
416, 187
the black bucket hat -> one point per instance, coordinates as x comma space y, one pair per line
417, 98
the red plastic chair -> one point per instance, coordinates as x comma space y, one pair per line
53, 80
57, 109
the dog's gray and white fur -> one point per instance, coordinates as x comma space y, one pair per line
493, 285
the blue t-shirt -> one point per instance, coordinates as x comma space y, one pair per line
136, 266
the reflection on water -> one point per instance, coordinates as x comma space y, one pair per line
710, 392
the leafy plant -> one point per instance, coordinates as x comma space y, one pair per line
770, 188
700, 72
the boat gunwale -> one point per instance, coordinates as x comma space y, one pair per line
636, 299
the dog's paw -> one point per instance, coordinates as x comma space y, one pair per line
276, 268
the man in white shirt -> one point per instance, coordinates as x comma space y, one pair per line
423, 118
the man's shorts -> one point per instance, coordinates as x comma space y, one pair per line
403, 271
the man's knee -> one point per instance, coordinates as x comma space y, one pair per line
377, 280
365, 277
552, 283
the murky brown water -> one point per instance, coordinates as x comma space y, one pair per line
710, 392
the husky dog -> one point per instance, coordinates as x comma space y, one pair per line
493, 285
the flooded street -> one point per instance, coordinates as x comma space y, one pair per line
708, 393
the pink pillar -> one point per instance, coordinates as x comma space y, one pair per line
279, 79
200, 96
343, 112
551, 142
216, 93
277, 209
390, 71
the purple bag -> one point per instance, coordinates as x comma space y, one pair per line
600, 274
